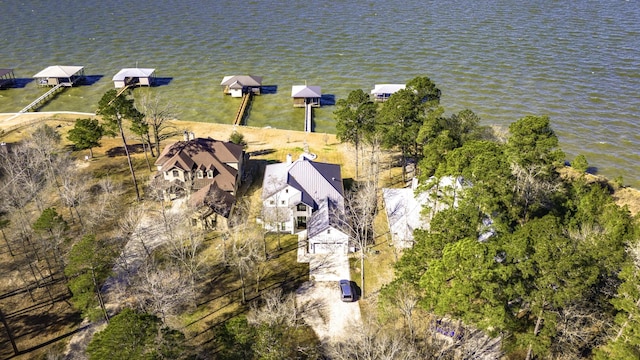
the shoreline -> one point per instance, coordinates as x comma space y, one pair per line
260, 137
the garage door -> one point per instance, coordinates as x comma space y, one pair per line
327, 248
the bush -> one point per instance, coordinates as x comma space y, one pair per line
580, 163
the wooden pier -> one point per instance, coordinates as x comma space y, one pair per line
246, 98
308, 116
43, 98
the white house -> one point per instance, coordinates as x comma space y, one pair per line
405, 208
306, 195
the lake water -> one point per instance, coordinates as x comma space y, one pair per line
575, 61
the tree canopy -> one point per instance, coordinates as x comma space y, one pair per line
134, 335
86, 134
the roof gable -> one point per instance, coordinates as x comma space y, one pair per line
133, 72
304, 91
204, 154
59, 71
315, 180
387, 88
242, 80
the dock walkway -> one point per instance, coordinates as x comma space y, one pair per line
43, 97
308, 115
246, 98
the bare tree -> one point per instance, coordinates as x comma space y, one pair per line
105, 206
184, 245
130, 223
373, 341
162, 291
360, 207
533, 187
73, 191
244, 253
158, 112
276, 308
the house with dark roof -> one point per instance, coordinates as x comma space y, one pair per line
206, 171
306, 195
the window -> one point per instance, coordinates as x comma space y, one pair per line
271, 202
301, 207
210, 174
283, 202
328, 231
286, 191
175, 173
199, 174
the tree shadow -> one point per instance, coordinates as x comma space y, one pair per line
119, 150
261, 152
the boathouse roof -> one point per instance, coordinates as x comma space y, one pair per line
304, 91
59, 71
133, 73
243, 80
387, 88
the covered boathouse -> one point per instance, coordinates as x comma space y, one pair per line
238, 85
303, 95
382, 92
60, 75
7, 79
134, 77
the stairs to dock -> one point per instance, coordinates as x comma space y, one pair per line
42, 98
243, 107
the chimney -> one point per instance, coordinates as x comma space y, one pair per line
185, 135
289, 159
192, 136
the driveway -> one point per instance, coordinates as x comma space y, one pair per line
329, 316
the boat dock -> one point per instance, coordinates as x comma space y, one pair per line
308, 116
43, 98
7, 79
246, 99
